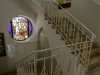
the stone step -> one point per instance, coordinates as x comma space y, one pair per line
83, 39
94, 44
65, 25
95, 51
94, 61
69, 31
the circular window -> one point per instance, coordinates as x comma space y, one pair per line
20, 28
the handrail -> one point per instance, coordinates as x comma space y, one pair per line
70, 20
27, 56
73, 18
76, 19
51, 49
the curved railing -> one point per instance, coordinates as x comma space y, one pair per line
59, 61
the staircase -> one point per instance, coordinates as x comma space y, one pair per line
79, 47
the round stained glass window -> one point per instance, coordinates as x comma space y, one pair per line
20, 28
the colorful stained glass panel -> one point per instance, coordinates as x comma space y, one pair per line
20, 28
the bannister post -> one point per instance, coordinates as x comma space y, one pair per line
51, 62
35, 63
89, 55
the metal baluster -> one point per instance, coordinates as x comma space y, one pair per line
80, 68
27, 69
29, 66
89, 54
54, 15
68, 65
73, 62
56, 20
59, 64
86, 52
61, 24
48, 8
24, 67
17, 68
86, 55
78, 36
82, 34
35, 64
79, 50
73, 36
52, 10
70, 30
68, 27
52, 62
32, 69
44, 66
64, 60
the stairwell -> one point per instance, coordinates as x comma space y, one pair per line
72, 33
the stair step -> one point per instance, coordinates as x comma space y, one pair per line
70, 35
94, 60
74, 41
95, 51
94, 44
65, 26
59, 18
72, 31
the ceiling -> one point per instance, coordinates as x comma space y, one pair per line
32, 6
96, 1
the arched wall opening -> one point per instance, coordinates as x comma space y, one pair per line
43, 43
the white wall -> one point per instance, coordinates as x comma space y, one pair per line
8, 10
8, 63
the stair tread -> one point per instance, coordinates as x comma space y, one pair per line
94, 59
95, 44
95, 51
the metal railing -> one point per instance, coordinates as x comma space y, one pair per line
63, 17
71, 59
62, 60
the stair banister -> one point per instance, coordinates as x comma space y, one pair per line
73, 36
76, 20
